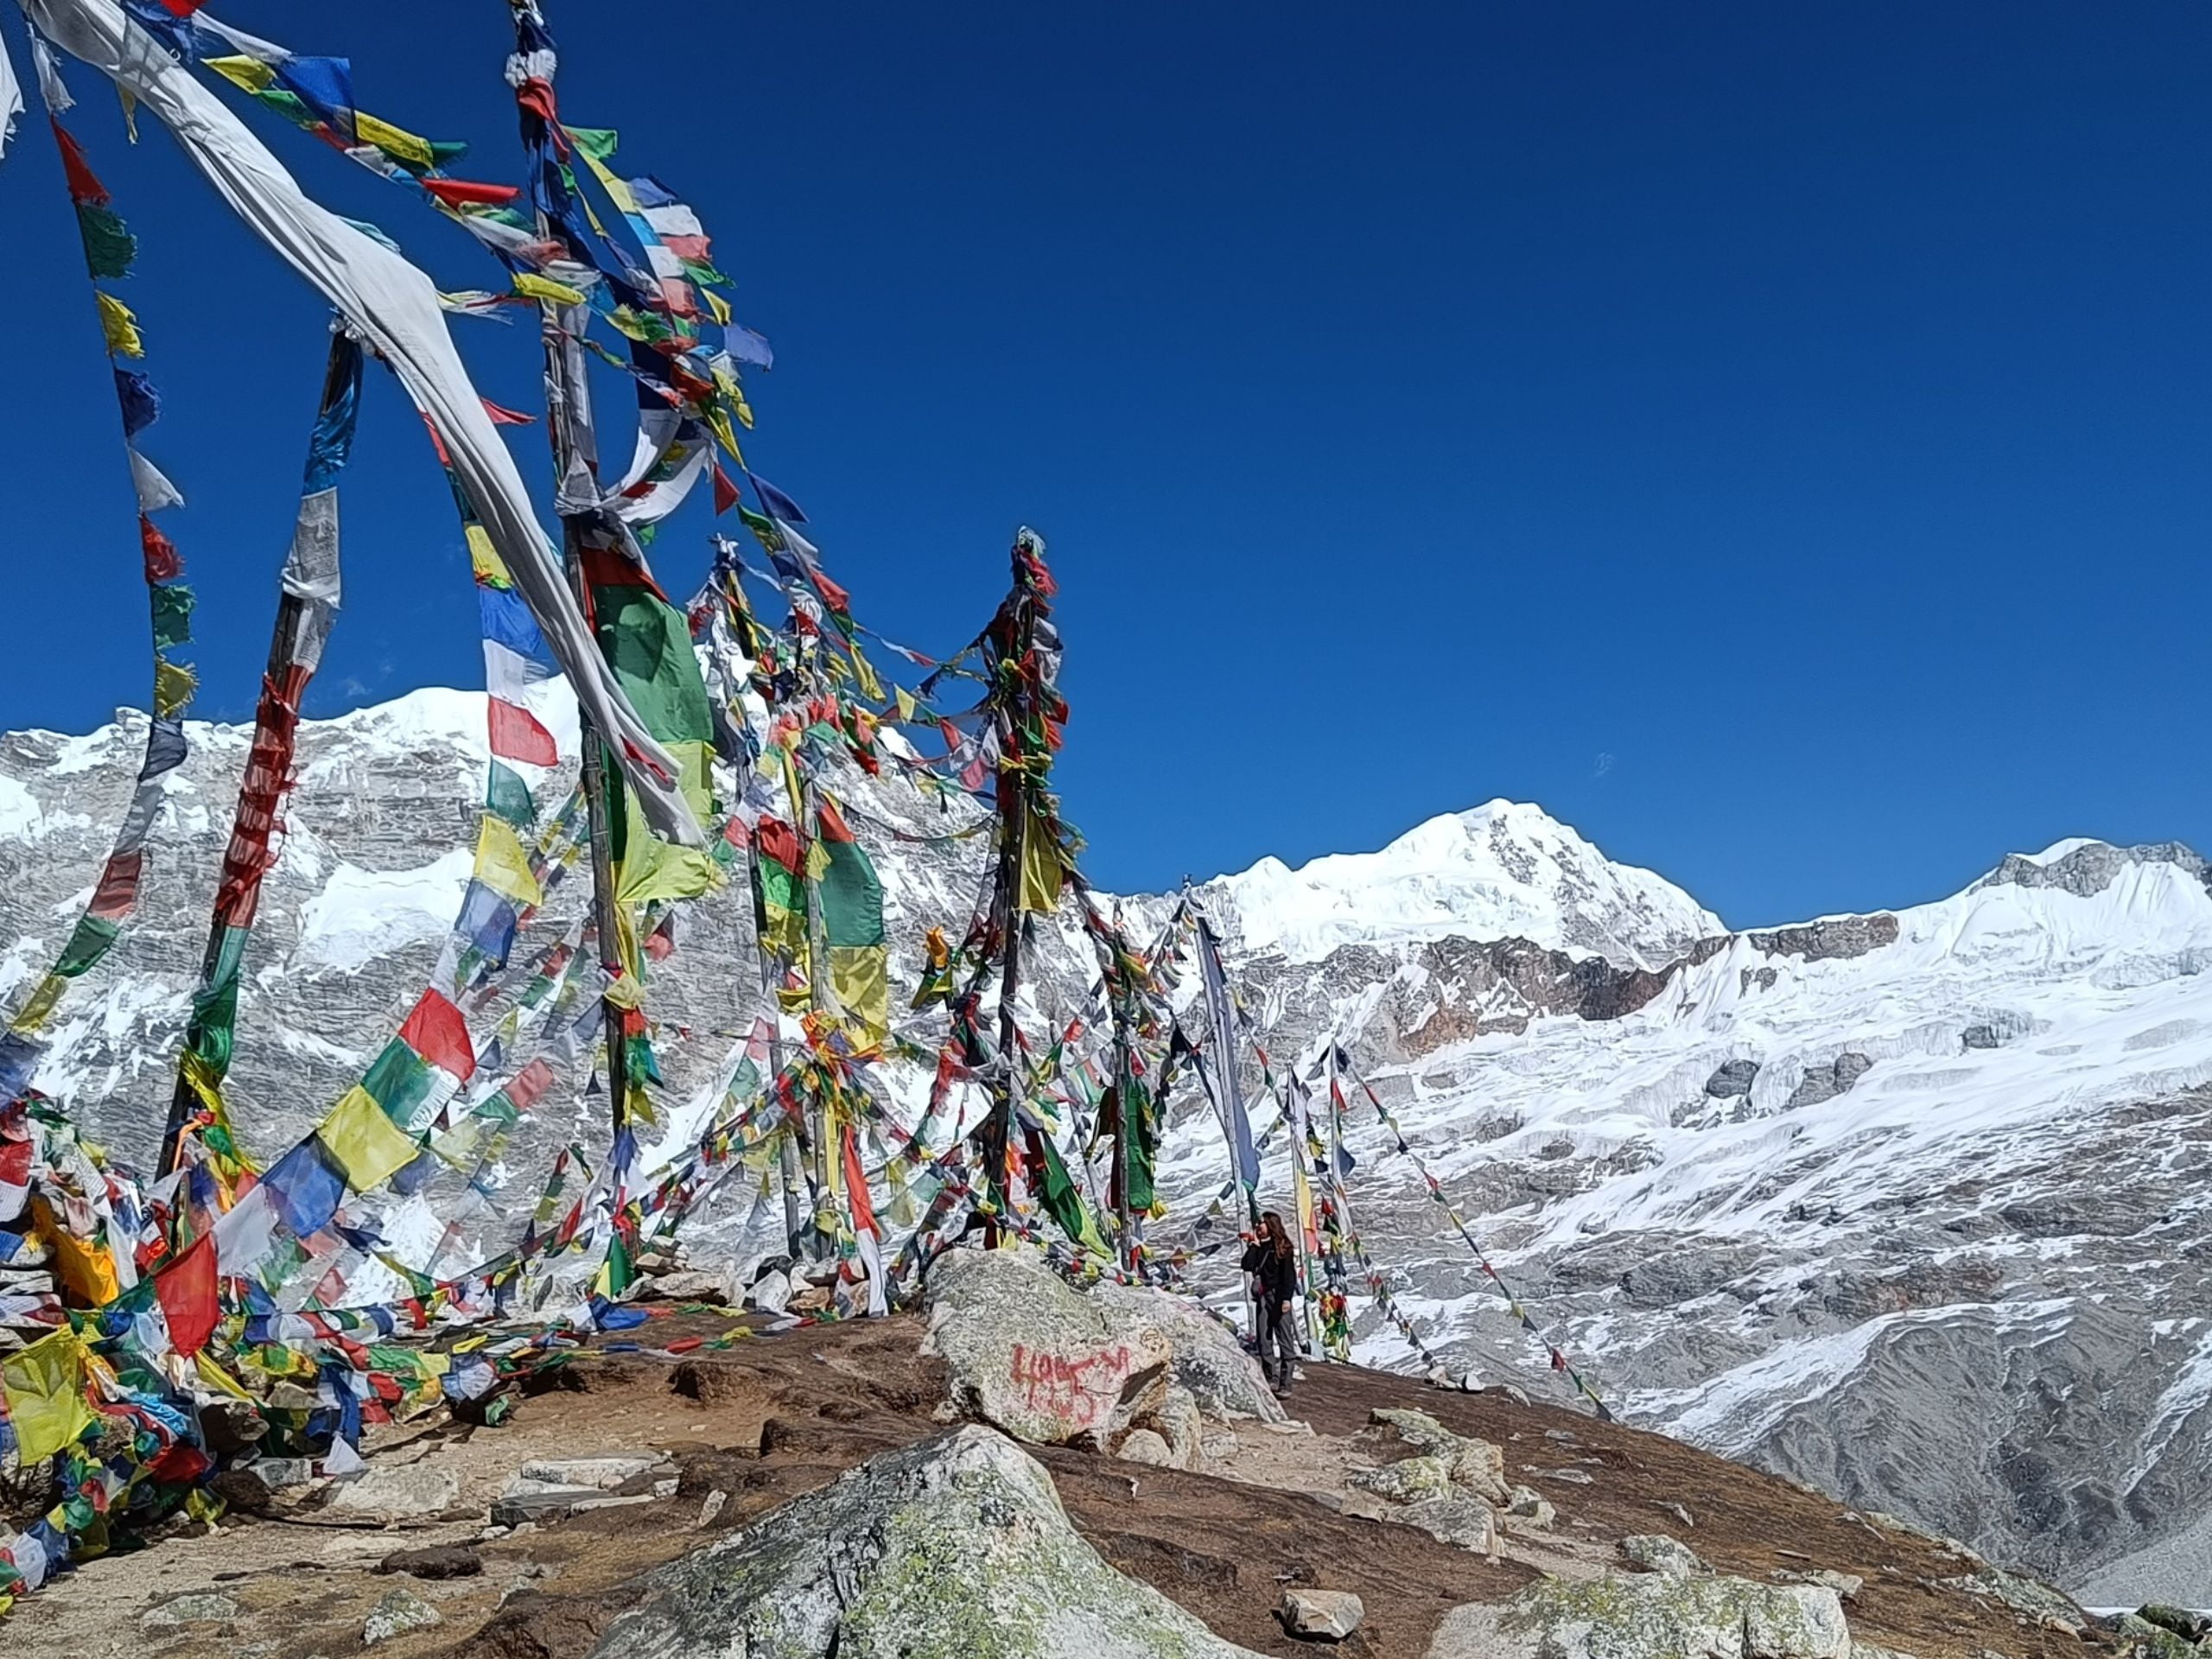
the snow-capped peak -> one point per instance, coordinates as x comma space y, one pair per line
1506, 869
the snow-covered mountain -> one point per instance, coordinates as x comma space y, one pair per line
1503, 871
1911, 1205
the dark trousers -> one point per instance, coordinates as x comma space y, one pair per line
1278, 1346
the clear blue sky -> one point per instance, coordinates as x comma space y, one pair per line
1774, 438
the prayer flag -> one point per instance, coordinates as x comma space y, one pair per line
45, 1387
305, 1189
517, 735
186, 1290
436, 1031
502, 865
363, 1142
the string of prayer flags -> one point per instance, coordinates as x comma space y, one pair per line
424, 1064
1559, 1360
311, 582
109, 250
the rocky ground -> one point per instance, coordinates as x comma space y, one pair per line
820, 1492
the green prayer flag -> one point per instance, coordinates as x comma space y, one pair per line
619, 1269
1063, 1202
399, 1081
211, 1033
508, 797
173, 615
852, 895
598, 143
94, 937
783, 910
648, 643
109, 245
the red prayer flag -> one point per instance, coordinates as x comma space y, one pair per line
186, 1290
506, 416
532, 1081
460, 193
117, 896
162, 562
85, 187
726, 491
437, 1032
856, 1187
781, 841
516, 736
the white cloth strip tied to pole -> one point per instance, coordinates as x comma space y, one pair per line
11, 98
1229, 1098
395, 308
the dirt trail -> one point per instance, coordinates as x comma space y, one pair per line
769, 1420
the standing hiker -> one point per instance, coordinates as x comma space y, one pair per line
1274, 1266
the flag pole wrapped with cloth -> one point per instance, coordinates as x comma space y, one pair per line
394, 307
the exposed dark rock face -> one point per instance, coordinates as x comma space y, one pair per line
2093, 867
1825, 1082
1838, 938
1733, 1080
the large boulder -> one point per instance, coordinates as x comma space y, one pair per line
1209, 1361
956, 1546
1050, 1364
1650, 1616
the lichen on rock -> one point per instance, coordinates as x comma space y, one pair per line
955, 1548
1650, 1616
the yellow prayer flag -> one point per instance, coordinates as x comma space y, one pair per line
695, 775
42, 1003
531, 286
394, 141
652, 870
860, 978
501, 864
120, 326
484, 560
173, 685
83, 1266
618, 190
1042, 872
725, 434
249, 74
718, 306
45, 1387
908, 706
871, 687
365, 1145
218, 1380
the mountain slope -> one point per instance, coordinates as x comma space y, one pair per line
1912, 1204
